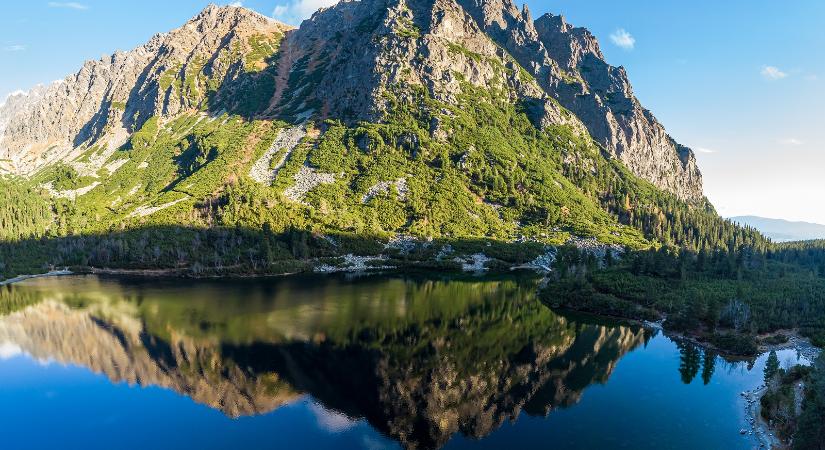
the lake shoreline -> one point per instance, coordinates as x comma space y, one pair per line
20, 278
795, 341
765, 434
148, 273
187, 274
756, 428
673, 335
760, 430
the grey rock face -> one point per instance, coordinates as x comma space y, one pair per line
570, 67
601, 95
350, 56
170, 74
352, 53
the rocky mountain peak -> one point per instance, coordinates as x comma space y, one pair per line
214, 16
570, 67
341, 63
108, 99
570, 51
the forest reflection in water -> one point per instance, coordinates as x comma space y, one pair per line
421, 359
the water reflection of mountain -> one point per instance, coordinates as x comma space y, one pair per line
419, 360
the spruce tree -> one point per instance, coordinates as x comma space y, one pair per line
771, 367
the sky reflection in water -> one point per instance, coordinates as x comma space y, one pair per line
378, 362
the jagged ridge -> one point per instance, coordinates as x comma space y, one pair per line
107, 100
430, 118
338, 65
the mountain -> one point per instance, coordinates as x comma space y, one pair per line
102, 105
783, 230
448, 119
107, 100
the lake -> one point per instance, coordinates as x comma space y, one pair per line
415, 362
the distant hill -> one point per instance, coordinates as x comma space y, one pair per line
783, 230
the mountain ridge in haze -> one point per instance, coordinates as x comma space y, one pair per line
781, 230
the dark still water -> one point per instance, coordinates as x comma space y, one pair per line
326, 362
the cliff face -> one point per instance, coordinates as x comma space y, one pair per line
601, 95
348, 62
440, 43
570, 67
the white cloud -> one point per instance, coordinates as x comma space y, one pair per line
773, 73
13, 94
17, 93
296, 11
14, 48
371, 443
705, 150
329, 420
9, 350
791, 141
623, 39
236, 4
68, 5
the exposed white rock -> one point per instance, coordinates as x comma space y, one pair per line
383, 187
543, 263
146, 210
475, 263
114, 139
404, 244
116, 164
70, 194
596, 248
354, 263
306, 180
401, 188
445, 251
263, 171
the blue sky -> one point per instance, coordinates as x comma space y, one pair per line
740, 81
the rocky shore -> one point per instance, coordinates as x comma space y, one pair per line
763, 435
795, 342
759, 431
17, 279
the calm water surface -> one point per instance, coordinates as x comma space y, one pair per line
363, 363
